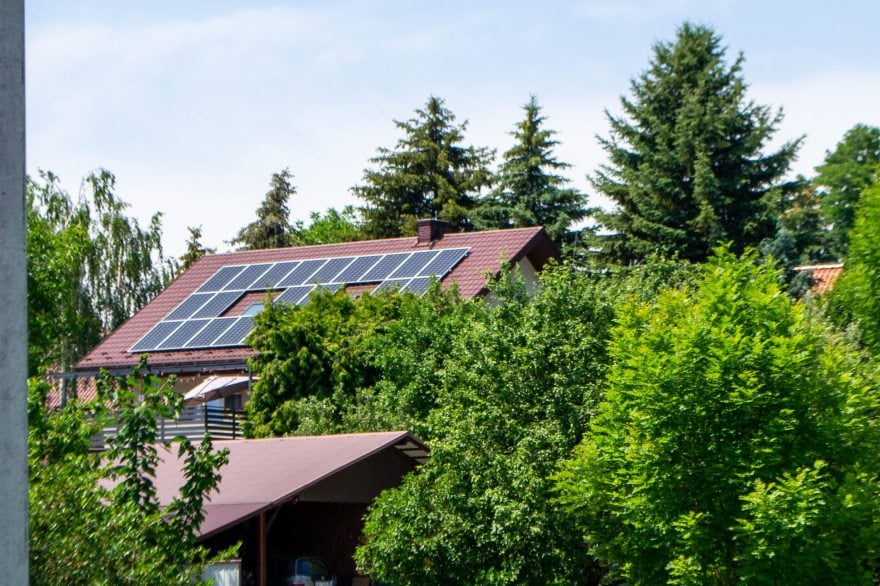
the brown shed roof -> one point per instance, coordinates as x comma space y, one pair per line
487, 251
265, 473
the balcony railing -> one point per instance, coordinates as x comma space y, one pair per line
193, 423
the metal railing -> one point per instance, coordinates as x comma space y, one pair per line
193, 423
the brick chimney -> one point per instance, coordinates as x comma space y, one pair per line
431, 230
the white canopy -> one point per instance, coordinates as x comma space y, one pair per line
215, 387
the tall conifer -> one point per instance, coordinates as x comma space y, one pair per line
529, 191
272, 227
686, 164
194, 248
429, 174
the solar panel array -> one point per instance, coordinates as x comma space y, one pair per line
198, 322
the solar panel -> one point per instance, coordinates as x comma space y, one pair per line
384, 267
218, 304
331, 287
443, 262
328, 272
220, 279
246, 277
300, 274
414, 264
356, 270
210, 332
270, 278
196, 322
181, 335
418, 285
391, 284
189, 306
235, 335
295, 295
155, 336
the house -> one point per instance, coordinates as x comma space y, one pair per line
283, 497
196, 327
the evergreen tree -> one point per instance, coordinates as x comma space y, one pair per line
272, 227
529, 193
800, 237
194, 248
846, 172
686, 166
428, 175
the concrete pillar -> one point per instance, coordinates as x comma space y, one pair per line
13, 301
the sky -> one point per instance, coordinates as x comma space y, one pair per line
194, 104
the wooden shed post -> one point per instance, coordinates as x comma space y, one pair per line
262, 549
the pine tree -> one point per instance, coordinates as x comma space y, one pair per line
428, 175
272, 227
529, 193
686, 163
845, 174
194, 248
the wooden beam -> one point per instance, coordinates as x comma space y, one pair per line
262, 550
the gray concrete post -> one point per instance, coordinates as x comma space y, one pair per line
13, 301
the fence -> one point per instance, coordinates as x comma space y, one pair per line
193, 423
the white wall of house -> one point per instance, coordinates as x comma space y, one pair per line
529, 275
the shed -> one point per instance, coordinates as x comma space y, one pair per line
287, 497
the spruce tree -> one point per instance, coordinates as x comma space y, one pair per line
429, 174
686, 164
529, 192
194, 248
272, 227
842, 177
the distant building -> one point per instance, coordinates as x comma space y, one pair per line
822, 275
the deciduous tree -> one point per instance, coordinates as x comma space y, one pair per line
84, 532
331, 227
736, 443
856, 295
90, 267
513, 397
846, 172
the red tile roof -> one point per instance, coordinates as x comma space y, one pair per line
823, 276
83, 388
264, 473
487, 251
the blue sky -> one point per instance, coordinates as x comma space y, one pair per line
194, 104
